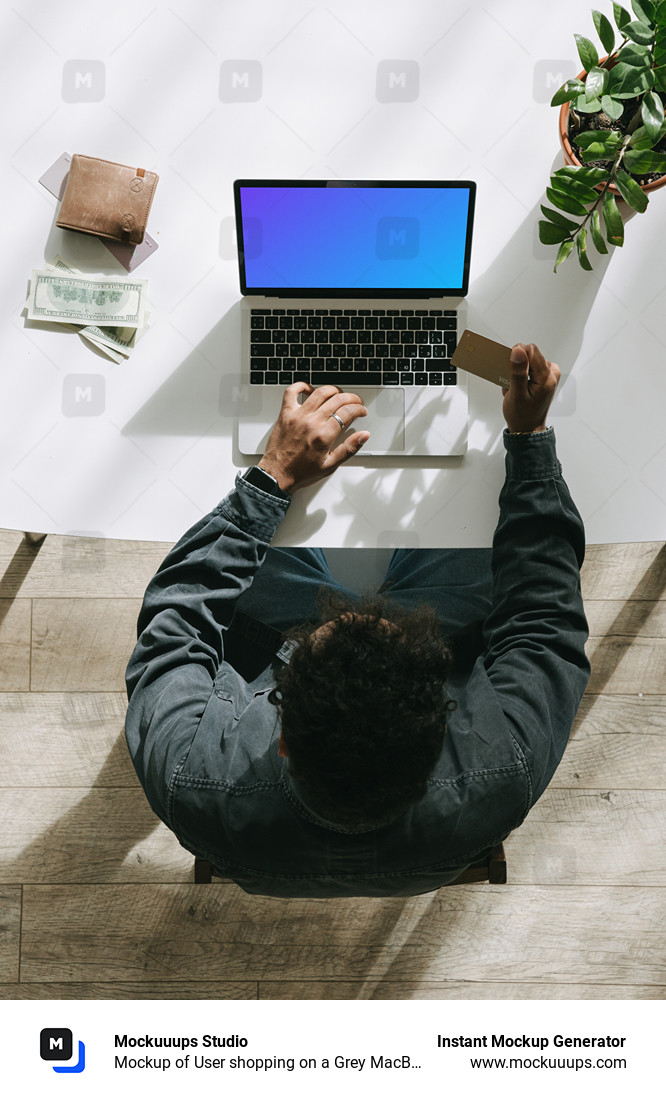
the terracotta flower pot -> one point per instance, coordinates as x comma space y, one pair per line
571, 158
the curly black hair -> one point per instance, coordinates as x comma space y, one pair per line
363, 707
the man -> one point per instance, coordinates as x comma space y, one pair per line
386, 745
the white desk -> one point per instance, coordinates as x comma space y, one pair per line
142, 450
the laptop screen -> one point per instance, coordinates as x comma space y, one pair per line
358, 239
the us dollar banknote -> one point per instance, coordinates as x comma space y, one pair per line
72, 298
114, 341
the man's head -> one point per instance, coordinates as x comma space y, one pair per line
363, 709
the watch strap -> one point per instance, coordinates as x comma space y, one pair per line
261, 479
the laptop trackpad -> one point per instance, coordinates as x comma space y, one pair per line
385, 420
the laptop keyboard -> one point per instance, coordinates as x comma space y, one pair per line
353, 347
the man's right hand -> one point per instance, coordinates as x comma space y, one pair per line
303, 446
533, 384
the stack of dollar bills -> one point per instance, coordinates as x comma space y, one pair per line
109, 313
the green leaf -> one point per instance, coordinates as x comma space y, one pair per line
609, 139
587, 106
587, 52
627, 81
597, 236
585, 175
566, 202
578, 190
612, 107
613, 221
565, 250
643, 10
640, 139
581, 245
660, 14
639, 32
633, 54
597, 152
659, 48
559, 219
652, 113
552, 234
622, 16
595, 85
604, 30
639, 162
566, 92
660, 78
631, 191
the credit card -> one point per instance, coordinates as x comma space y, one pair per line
483, 357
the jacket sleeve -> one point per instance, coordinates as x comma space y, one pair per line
188, 606
536, 632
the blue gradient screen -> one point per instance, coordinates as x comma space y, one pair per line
392, 238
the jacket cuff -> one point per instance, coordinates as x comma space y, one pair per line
531, 457
253, 510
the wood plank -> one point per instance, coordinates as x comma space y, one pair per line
602, 935
571, 836
620, 571
82, 644
627, 619
10, 932
64, 739
621, 714
128, 991
625, 666
100, 835
72, 565
15, 645
591, 838
454, 991
621, 761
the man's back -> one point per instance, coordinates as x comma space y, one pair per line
206, 744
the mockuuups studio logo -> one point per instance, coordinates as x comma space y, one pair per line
56, 1044
237, 398
549, 76
398, 540
252, 238
397, 238
83, 81
228, 238
83, 394
240, 81
397, 81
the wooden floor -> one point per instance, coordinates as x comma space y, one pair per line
97, 899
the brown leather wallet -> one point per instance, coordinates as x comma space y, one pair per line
108, 199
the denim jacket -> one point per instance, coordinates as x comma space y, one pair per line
204, 741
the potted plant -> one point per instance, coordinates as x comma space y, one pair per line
613, 132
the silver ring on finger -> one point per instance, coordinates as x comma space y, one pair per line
334, 416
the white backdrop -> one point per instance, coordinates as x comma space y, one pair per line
205, 92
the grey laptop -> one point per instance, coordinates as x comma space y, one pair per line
360, 284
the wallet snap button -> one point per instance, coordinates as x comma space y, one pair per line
127, 221
136, 184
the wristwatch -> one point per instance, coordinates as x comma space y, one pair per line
261, 479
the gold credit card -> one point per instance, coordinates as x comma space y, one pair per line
484, 357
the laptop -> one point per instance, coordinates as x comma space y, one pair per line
360, 284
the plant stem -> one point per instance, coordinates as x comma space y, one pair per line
633, 125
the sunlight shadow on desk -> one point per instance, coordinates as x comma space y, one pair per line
202, 395
519, 299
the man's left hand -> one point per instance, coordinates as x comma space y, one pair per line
302, 447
